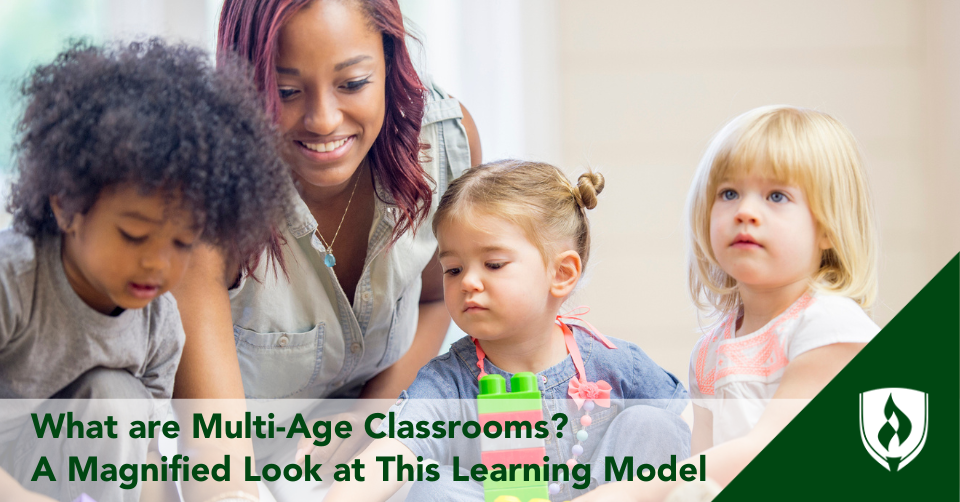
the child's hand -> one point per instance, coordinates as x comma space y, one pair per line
338, 450
12, 491
28, 496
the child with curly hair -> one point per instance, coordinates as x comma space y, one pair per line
128, 157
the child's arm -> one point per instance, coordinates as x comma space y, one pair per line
702, 430
803, 378
374, 488
10, 318
208, 377
208, 368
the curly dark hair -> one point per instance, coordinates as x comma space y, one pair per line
161, 117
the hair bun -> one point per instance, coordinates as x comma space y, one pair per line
589, 185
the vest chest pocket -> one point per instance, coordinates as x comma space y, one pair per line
400, 336
278, 365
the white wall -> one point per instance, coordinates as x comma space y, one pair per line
636, 89
645, 85
499, 58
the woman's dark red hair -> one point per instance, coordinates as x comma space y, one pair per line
250, 29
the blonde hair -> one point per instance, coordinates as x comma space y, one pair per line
800, 147
536, 197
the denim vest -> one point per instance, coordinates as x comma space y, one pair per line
300, 336
446, 390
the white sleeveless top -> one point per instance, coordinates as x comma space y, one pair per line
736, 376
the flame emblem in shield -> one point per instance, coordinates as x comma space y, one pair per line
893, 425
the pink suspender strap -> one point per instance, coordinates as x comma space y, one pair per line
480, 355
568, 340
576, 315
574, 352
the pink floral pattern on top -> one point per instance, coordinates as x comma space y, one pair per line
759, 354
735, 377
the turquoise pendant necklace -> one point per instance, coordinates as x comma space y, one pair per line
329, 260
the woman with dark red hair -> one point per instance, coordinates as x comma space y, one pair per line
349, 301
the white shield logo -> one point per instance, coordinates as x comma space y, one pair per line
893, 425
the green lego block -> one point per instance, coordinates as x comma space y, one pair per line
523, 396
507, 405
524, 494
517, 483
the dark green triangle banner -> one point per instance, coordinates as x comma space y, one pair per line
887, 427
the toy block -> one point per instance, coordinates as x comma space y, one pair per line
503, 443
506, 405
507, 457
532, 416
508, 486
521, 404
521, 438
523, 395
521, 494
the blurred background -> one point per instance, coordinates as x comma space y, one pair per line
636, 89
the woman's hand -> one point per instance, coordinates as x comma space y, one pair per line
375, 488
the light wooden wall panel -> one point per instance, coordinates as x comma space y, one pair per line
645, 84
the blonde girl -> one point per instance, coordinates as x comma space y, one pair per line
783, 255
513, 239
783, 251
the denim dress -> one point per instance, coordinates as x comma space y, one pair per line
299, 336
643, 418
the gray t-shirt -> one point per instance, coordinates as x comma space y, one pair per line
49, 337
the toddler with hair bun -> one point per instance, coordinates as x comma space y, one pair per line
514, 238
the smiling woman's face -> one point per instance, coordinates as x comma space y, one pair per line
330, 76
